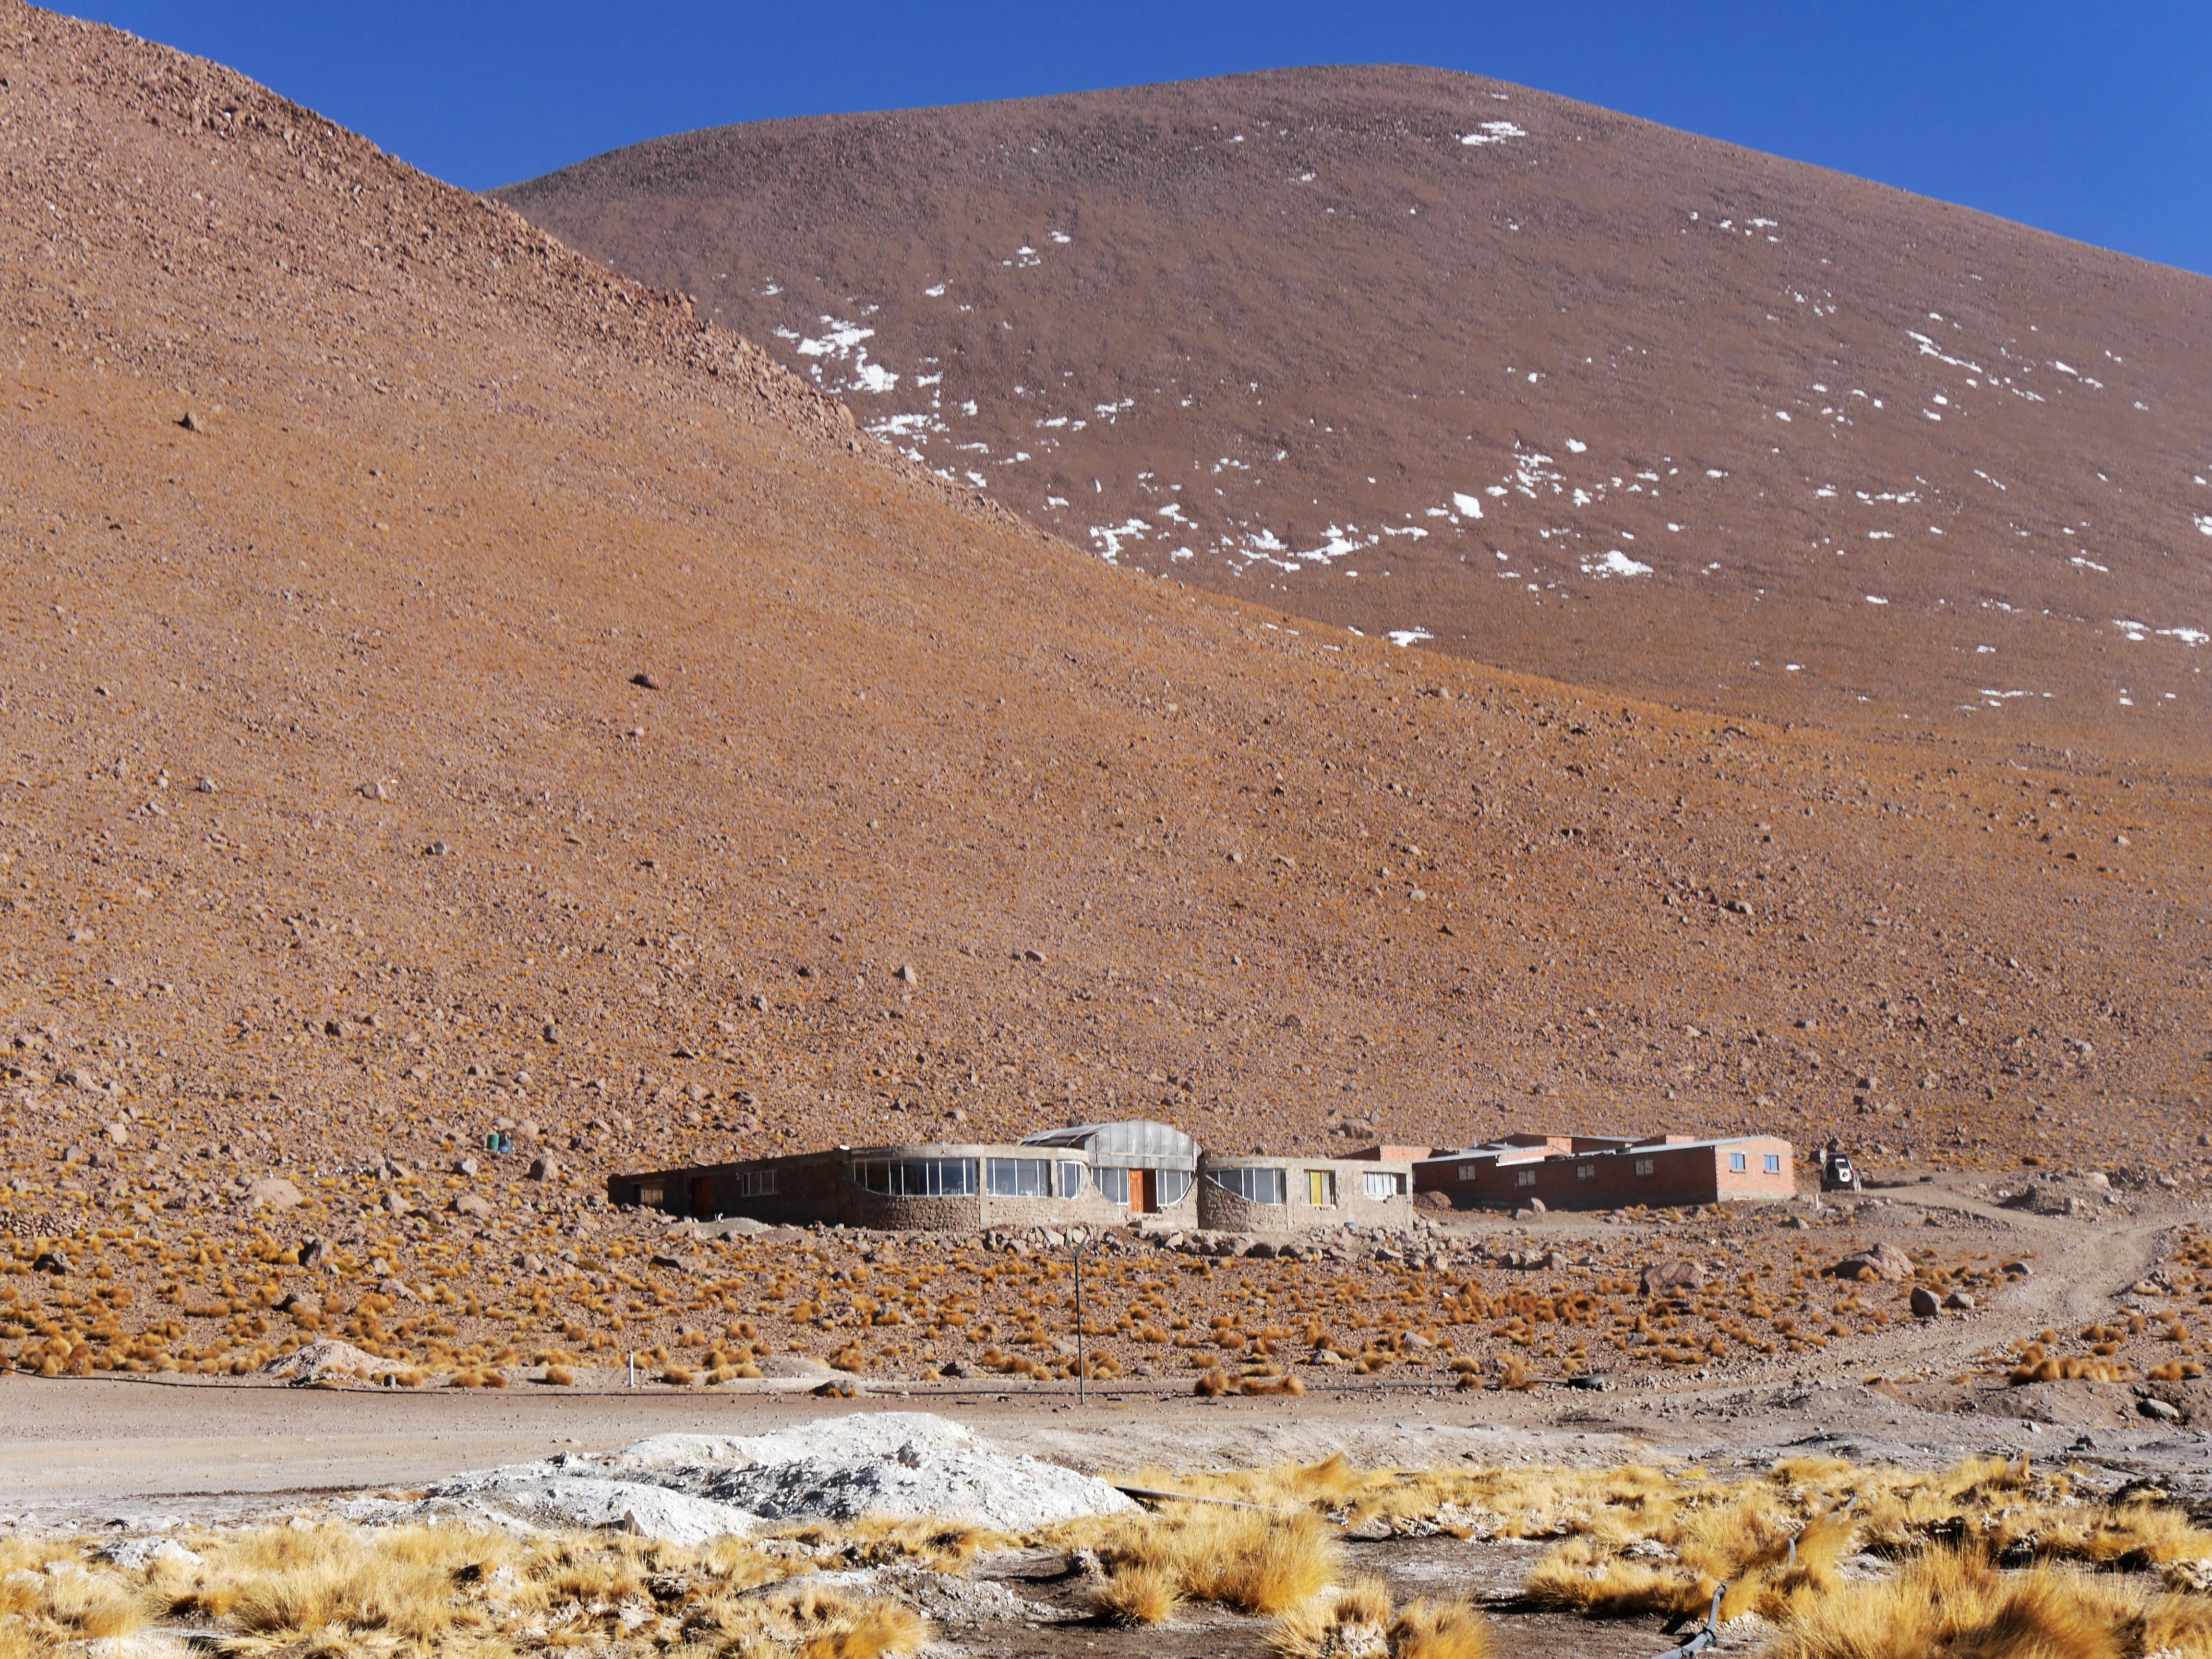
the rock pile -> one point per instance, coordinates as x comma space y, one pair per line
687, 1488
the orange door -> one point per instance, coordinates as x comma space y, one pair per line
1144, 1191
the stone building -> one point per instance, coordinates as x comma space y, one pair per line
1261, 1195
1097, 1173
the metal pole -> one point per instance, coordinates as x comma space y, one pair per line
1075, 1248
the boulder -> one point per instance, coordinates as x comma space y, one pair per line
52, 1261
142, 1555
1661, 1277
544, 1168
1959, 1301
1924, 1305
274, 1193
2156, 1409
1882, 1261
301, 1306
473, 1204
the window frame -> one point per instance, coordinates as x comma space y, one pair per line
918, 1177
1246, 1180
1019, 1178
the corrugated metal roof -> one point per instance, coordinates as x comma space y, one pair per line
1141, 1140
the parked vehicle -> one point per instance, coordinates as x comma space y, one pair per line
1837, 1174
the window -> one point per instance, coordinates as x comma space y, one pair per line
1320, 1189
1774, 1163
755, 1183
1018, 1177
1112, 1184
1174, 1186
650, 1194
1525, 1178
1586, 1172
1071, 1181
1470, 1172
918, 1177
1255, 1186
1735, 1162
1382, 1184
1643, 1166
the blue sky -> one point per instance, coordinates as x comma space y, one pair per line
2094, 121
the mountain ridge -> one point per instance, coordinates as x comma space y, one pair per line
1234, 336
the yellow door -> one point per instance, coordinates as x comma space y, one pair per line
1319, 1189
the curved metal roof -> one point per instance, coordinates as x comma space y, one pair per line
1141, 1141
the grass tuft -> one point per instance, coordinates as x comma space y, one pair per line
1953, 1604
1137, 1594
1252, 1561
1439, 1629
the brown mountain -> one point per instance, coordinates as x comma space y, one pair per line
1425, 355
346, 512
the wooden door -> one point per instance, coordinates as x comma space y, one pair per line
702, 1195
1144, 1191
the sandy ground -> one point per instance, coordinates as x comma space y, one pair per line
90, 1452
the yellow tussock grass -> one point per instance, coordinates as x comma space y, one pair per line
809, 1621
1953, 1604
1353, 1619
1251, 1560
1357, 1622
1439, 1629
1134, 1594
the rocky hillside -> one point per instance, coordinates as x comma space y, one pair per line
449, 683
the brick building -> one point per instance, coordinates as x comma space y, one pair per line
1611, 1172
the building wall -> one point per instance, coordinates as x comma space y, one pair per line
1220, 1210
1695, 1172
818, 1187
